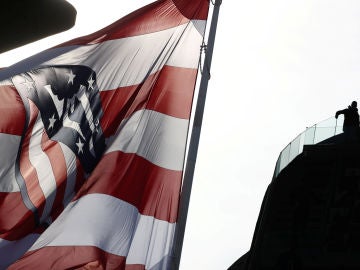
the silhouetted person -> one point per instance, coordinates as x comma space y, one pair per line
351, 120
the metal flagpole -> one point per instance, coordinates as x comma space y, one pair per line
194, 142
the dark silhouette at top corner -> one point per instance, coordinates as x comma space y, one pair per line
351, 120
27, 21
351, 117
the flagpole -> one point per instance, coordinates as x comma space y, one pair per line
194, 142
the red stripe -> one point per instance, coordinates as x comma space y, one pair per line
173, 92
193, 9
73, 257
58, 165
80, 176
12, 111
151, 189
169, 91
152, 18
27, 170
15, 219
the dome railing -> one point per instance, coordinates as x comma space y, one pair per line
311, 135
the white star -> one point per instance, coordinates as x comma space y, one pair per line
52, 121
91, 82
71, 77
28, 84
80, 146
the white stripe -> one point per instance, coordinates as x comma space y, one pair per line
188, 49
6, 83
10, 251
157, 235
70, 161
9, 147
41, 163
94, 220
109, 223
128, 61
157, 137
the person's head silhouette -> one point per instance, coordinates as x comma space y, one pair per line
354, 104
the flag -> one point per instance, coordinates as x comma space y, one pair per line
92, 140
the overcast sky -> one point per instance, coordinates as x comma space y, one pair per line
278, 67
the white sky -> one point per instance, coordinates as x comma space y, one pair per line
278, 67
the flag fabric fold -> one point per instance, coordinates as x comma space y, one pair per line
92, 136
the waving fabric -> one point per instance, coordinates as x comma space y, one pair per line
92, 142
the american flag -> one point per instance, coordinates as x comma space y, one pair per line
92, 141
